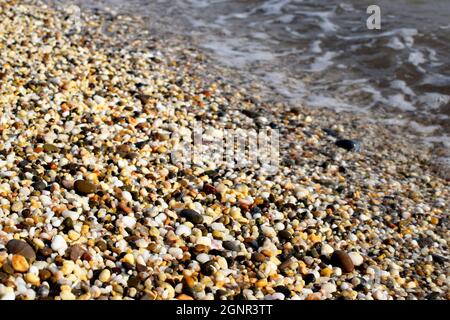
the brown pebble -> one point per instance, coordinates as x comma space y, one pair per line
101, 245
258, 257
7, 268
49, 148
84, 187
22, 248
45, 252
342, 260
141, 267
75, 252
44, 274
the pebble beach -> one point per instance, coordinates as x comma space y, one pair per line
93, 207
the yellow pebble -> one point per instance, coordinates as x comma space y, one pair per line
19, 263
33, 279
128, 258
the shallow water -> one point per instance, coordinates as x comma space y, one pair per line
321, 54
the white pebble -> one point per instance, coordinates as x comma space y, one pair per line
70, 214
183, 230
59, 244
202, 258
326, 250
129, 222
357, 259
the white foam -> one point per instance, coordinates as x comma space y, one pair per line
315, 46
395, 43
416, 58
401, 85
398, 101
323, 62
433, 100
325, 23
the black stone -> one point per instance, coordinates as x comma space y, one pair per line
349, 145
192, 216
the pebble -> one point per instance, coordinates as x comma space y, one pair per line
357, 259
75, 252
32, 279
342, 260
8, 294
129, 222
19, 263
192, 216
22, 248
105, 275
84, 187
183, 230
326, 250
231, 245
285, 235
59, 244
349, 145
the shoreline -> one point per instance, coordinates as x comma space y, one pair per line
330, 224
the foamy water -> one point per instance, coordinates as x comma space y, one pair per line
321, 54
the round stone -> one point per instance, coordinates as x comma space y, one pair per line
192, 216
19, 263
285, 235
84, 187
342, 260
357, 259
21, 247
59, 244
183, 230
326, 250
105, 275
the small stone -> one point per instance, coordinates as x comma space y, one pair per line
19, 263
59, 244
75, 252
326, 250
208, 268
205, 241
258, 257
128, 258
49, 148
129, 222
285, 235
8, 269
105, 275
349, 145
32, 279
209, 189
183, 230
84, 187
39, 185
357, 259
101, 245
133, 281
43, 291
8, 294
141, 267
67, 295
21, 247
68, 223
342, 260
309, 278
231, 245
44, 274
192, 216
